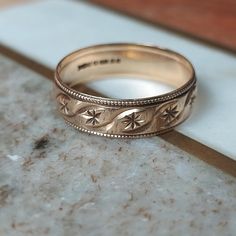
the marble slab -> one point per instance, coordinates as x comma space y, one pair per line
57, 181
47, 30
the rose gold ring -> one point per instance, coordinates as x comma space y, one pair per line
124, 118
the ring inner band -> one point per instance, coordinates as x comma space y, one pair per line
126, 60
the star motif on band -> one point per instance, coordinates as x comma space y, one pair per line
92, 117
63, 104
192, 99
132, 121
169, 114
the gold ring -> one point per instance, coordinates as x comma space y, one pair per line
124, 118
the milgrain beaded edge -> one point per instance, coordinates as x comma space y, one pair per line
124, 103
119, 135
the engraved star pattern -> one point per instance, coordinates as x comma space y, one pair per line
170, 114
192, 99
93, 117
132, 121
63, 104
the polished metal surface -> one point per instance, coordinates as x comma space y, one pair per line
124, 118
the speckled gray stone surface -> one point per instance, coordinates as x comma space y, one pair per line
57, 181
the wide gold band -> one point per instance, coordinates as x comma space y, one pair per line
124, 118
